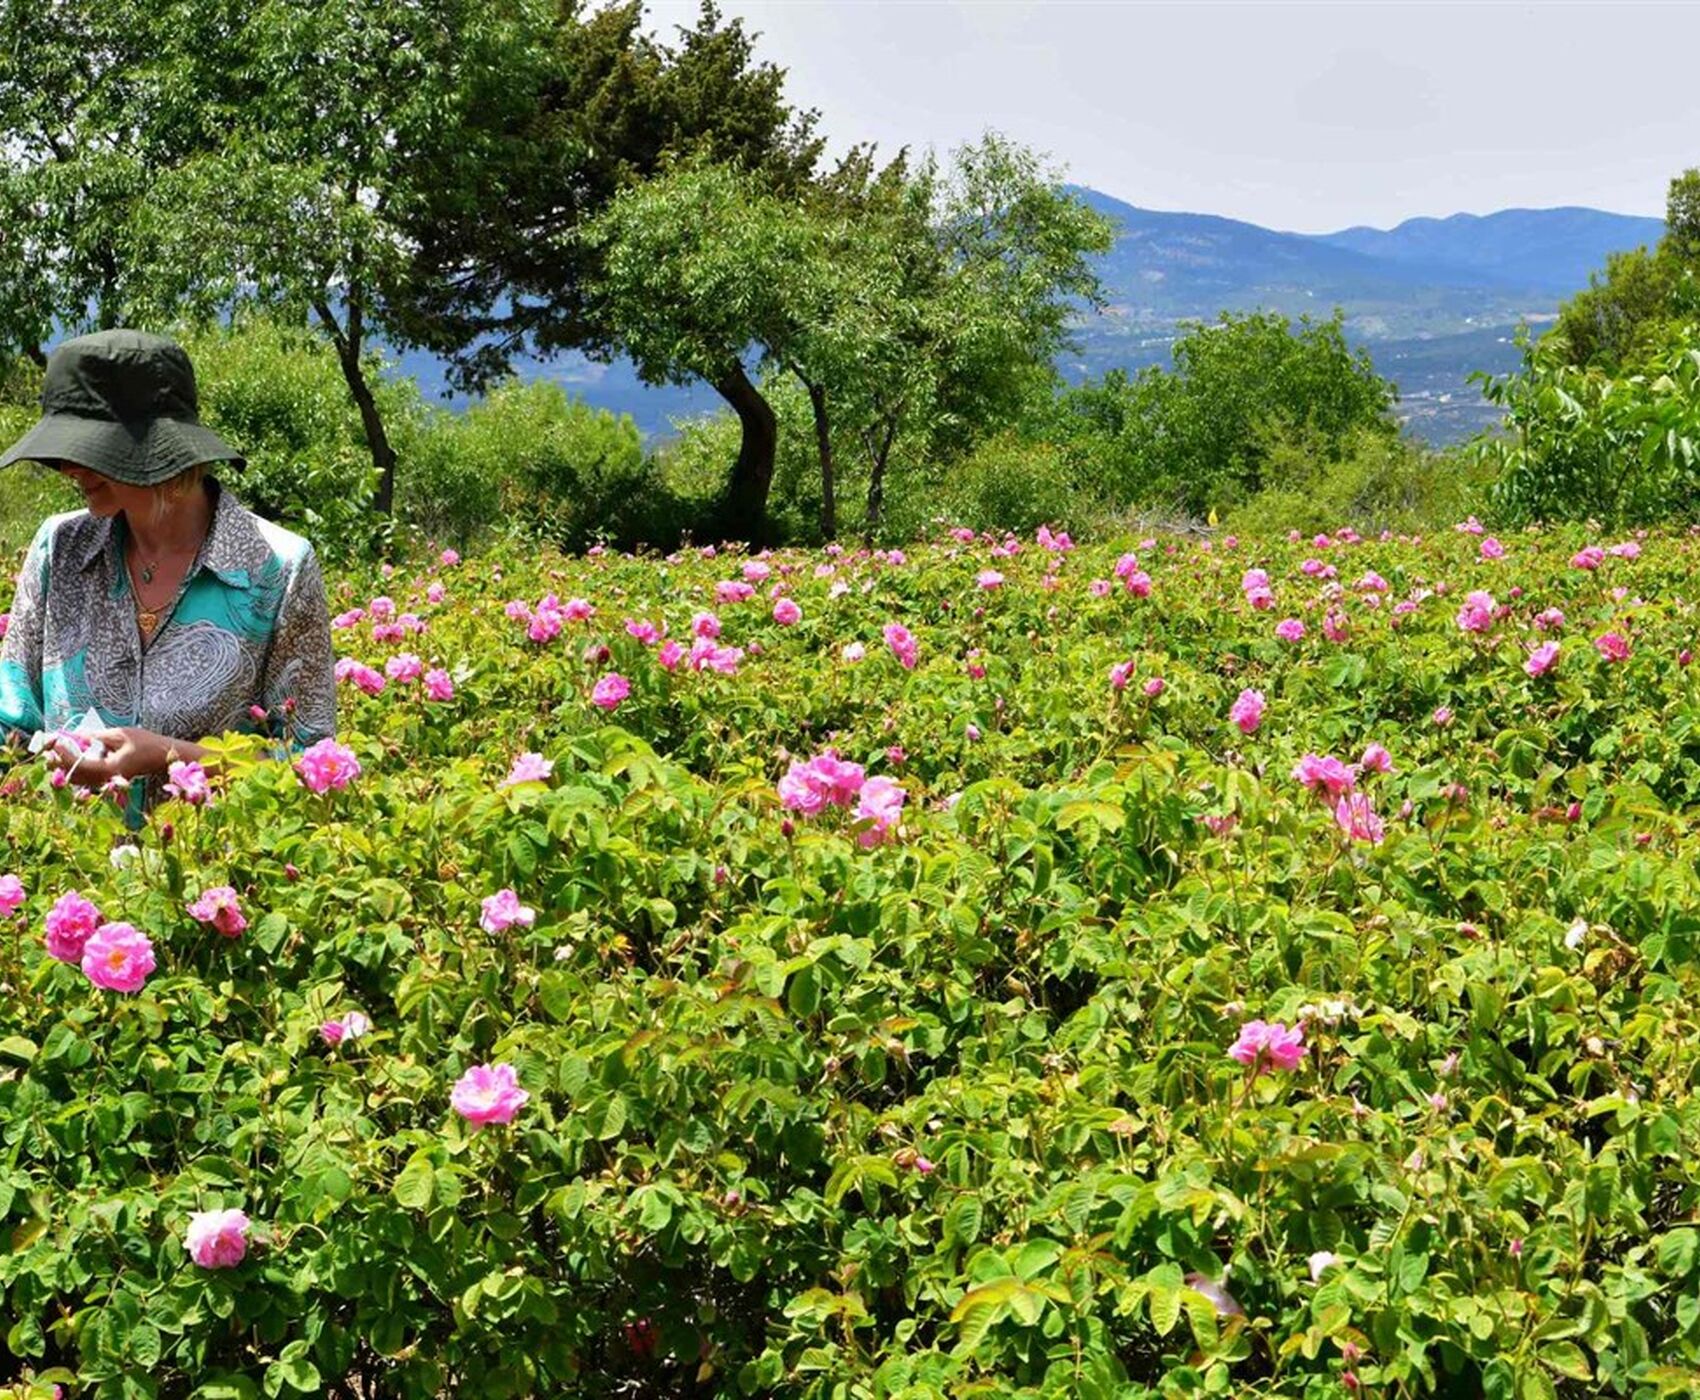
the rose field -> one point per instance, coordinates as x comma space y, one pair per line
995, 968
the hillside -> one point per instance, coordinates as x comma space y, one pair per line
1432, 300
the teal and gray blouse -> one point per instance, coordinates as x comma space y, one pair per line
249, 626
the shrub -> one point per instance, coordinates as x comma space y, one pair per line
1371, 481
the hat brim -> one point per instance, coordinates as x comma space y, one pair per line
138, 454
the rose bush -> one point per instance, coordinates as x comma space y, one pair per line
849, 1013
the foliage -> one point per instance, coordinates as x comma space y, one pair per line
1196, 438
530, 453
1587, 443
950, 1112
1622, 317
277, 394
1373, 482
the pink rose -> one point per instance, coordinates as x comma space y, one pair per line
1247, 711
1268, 1045
118, 957
217, 1239
218, 906
327, 765
488, 1094
786, 613
503, 910
528, 768
11, 894
70, 923
610, 691
439, 685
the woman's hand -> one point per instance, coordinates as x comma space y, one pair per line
130, 753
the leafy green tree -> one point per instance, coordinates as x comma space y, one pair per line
85, 126
1197, 437
328, 121
501, 264
1626, 313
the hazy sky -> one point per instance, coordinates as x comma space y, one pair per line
1307, 117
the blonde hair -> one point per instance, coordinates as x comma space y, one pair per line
168, 495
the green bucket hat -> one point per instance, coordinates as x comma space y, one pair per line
122, 403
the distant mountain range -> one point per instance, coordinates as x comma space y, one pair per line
1432, 300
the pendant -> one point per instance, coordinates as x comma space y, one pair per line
148, 619
147, 573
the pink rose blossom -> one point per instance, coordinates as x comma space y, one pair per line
608, 692
70, 923
669, 656
1612, 646
1541, 659
1492, 548
1120, 673
218, 906
1443, 716
1477, 614
989, 579
644, 630
502, 910
853, 652
903, 644
1589, 558
528, 768
435, 593
217, 1239
1247, 711
350, 1027
327, 765
705, 624
786, 613
732, 591
118, 957
1376, 759
1138, 583
880, 804
1154, 687
1290, 629
359, 675
404, 666
1268, 1045
1357, 818
439, 685
488, 1094
188, 782
11, 894
381, 608
1328, 774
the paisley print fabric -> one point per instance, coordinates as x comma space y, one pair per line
250, 626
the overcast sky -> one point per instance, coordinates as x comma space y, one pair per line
1307, 117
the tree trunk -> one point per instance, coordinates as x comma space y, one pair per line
347, 345
744, 510
877, 458
823, 443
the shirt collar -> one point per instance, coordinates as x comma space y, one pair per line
234, 550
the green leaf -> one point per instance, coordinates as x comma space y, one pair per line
413, 1186
1567, 1359
1164, 1303
1677, 1252
298, 1373
18, 1050
962, 1220
980, 1308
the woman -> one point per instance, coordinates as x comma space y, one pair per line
165, 606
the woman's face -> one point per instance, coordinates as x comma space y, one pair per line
104, 496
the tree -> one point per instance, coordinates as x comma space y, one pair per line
84, 130
699, 268
501, 264
1625, 314
325, 120
1197, 436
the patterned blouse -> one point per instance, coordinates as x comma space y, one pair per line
249, 626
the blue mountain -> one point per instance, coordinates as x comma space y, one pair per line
1431, 299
